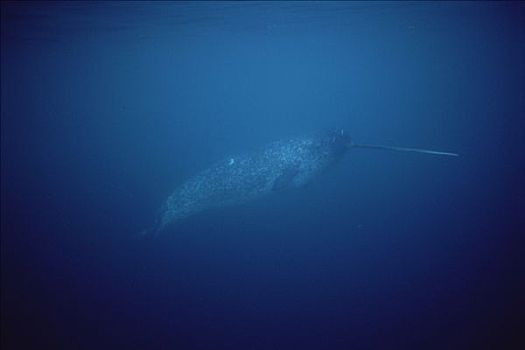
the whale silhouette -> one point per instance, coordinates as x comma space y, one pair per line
277, 167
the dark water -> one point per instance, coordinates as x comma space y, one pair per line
107, 107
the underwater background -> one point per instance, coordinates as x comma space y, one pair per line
107, 107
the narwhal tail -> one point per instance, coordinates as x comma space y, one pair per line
404, 149
148, 233
151, 232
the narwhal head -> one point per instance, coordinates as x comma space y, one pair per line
339, 141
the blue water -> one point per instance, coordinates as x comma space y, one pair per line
107, 107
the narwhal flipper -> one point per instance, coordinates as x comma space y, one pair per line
404, 149
286, 178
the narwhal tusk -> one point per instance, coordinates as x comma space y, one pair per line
404, 149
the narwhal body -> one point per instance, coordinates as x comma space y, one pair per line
279, 166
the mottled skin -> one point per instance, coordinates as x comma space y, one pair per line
280, 165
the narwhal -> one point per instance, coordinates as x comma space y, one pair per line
279, 166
